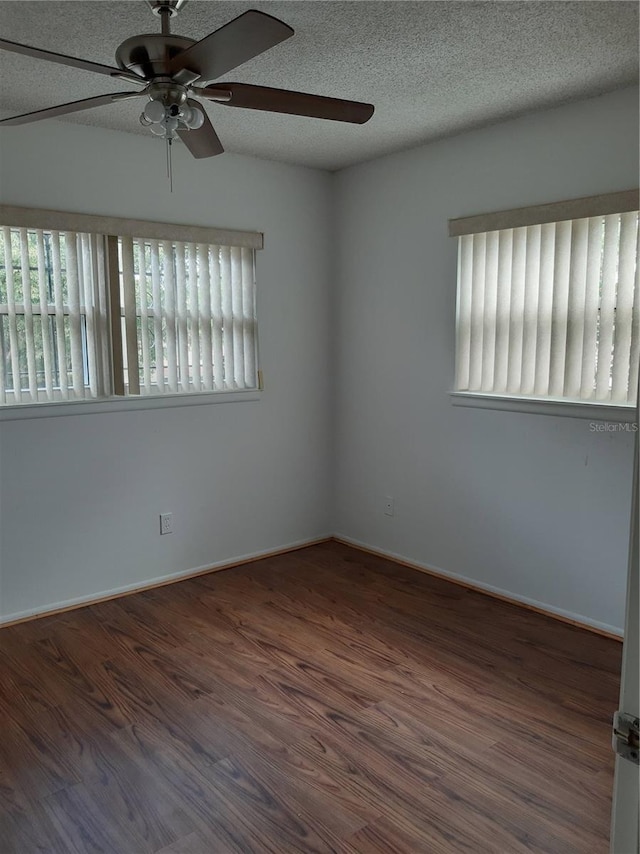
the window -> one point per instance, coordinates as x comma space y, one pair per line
153, 310
549, 306
188, 316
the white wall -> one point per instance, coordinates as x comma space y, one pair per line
80, 496
534, 505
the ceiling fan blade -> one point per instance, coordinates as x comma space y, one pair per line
73, 61
72, 107
248, 35
295, 103
204, 141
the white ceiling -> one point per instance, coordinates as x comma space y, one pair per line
432, 69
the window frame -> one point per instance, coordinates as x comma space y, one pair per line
595, 411
110, 230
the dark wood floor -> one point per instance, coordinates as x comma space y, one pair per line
325, 700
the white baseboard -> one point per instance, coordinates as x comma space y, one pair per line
498, 592
114, 593
161, 580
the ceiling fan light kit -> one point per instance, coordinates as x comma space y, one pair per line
168, 66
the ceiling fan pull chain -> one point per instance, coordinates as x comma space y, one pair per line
169, 164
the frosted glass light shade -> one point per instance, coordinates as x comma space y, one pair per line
154, 112
193, 118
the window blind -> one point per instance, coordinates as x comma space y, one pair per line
551, 310
188, 316
51, 316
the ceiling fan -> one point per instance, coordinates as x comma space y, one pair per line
169, 66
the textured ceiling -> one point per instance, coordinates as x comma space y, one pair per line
432, 69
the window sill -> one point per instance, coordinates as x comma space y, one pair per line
544, 406
57, 409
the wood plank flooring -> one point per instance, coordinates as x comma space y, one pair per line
324, 700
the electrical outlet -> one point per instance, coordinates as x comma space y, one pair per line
166, 523
389, 505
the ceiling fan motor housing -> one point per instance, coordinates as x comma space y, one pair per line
149, 55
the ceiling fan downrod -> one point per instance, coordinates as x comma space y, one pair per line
166, 9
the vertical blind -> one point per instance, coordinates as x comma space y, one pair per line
52, 316
551, 310
188, 315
